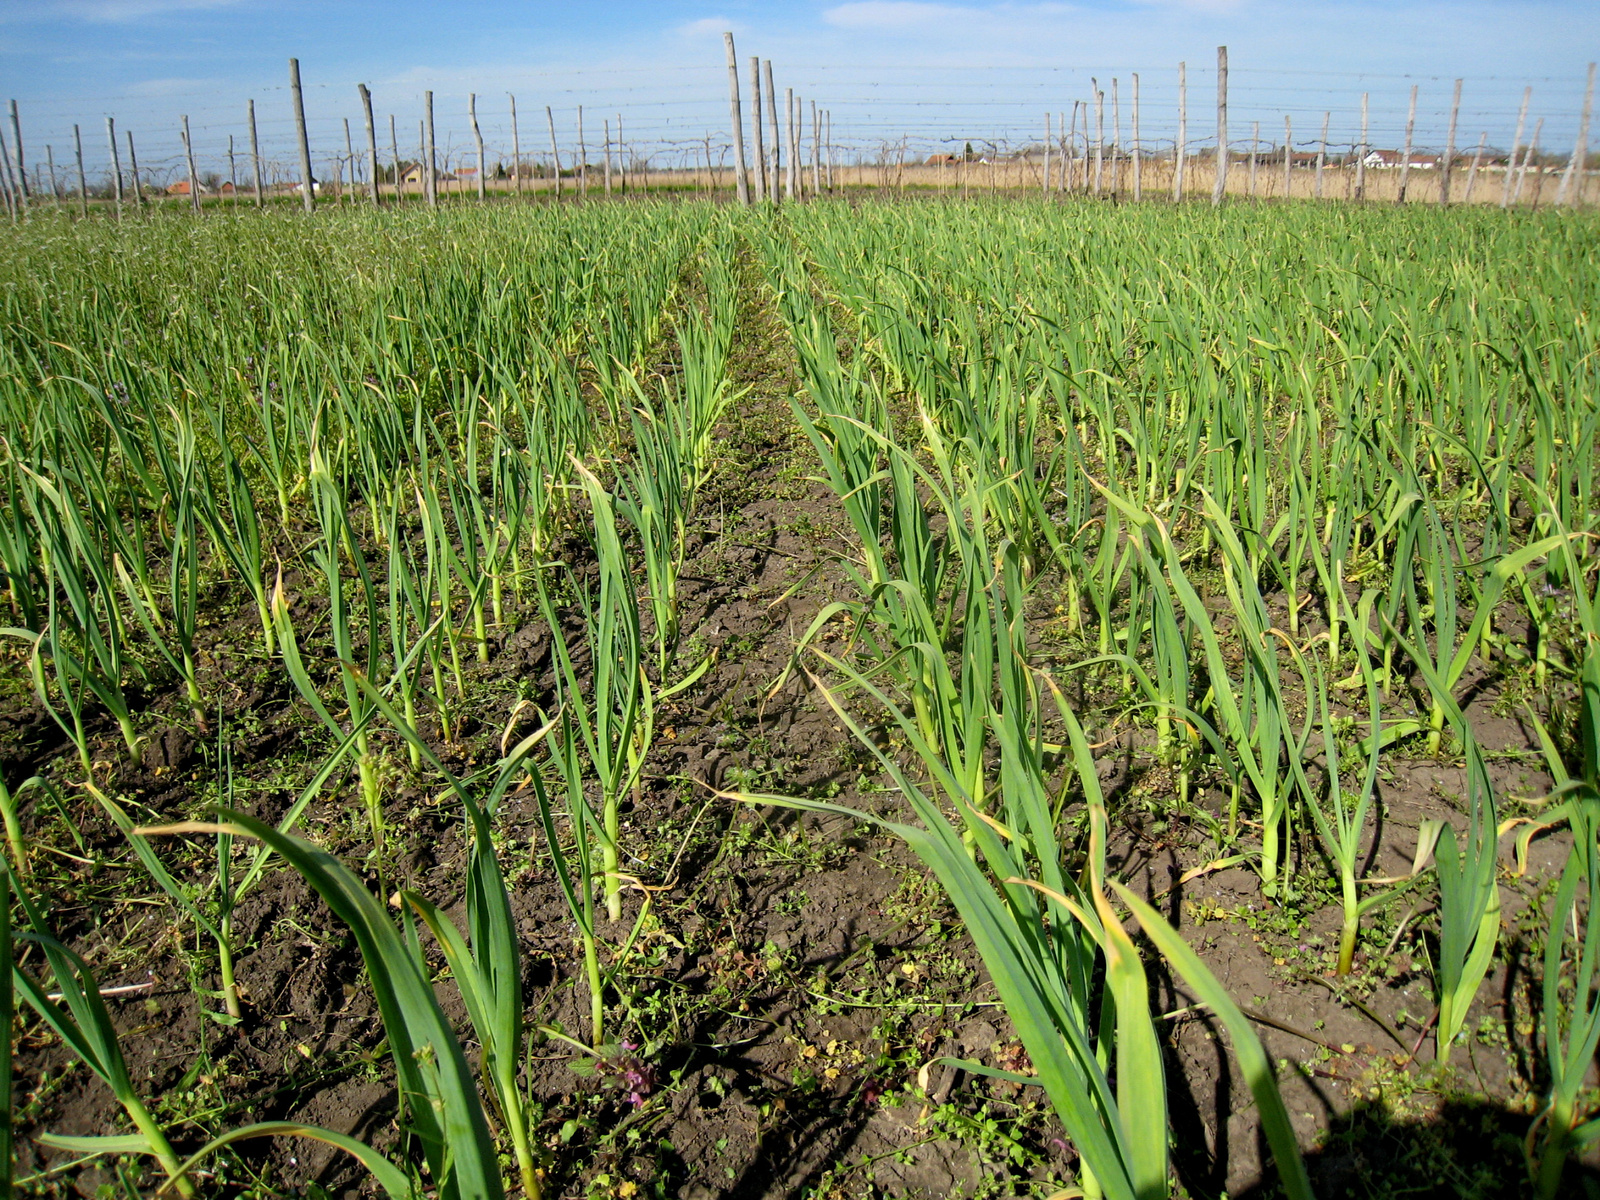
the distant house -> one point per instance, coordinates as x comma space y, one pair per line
1382, 160
415, 173
181, 188
942, 160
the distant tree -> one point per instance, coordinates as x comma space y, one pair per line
969, 151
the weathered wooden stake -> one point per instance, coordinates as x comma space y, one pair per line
477, 136
55, 191
758, 134
1527, 159
1449, 148
83, 184
255, 152
133, 170
1138, 183
350, 157
1047, 131
583, 158
828, 138
1322, 152
1099, 132
816, 152
516, 152
788, 108
1472, 172
555, 153
430, 169
607, 132
1288, 156
1255, 154
1116, 142
1179, 151
1516, 144
194, 177
622, 159
741, 177
233, 175
1575, 165
1221, 187
394, 158
1405, 154
22, 172
372, 145
307, 184
116, 162
1361, 157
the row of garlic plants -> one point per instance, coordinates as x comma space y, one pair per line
433, 425
1294, 479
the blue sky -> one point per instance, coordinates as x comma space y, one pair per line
934, 71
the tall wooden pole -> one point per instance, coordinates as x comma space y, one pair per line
608, 154
1405, 155
55, 190
788, 149
1221, 187
622, 159
1255, 153
1361, 157
1575, 165
1116, 141
1527, 160
583, 158
307, 184
828, 142
1099, 132
22, 173
1138, 184
255, 152
816, 152
133, 171
555, 153
372, 144
758, 141
1181, 151
394, 158
1322, 152
1516, 143
194, 176
430, 170
1449, 148
1069, 154
8, 183
772, 119
1472, 172
1045, 187
1288, 156
741, 177
477, 136
350, 157
83, 184
116, 162
233, 175
516, 152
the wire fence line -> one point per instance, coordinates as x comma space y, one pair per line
968, 126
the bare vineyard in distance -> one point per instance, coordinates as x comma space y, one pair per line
658, 699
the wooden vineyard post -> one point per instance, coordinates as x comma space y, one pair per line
772, 125
307, 185
1288, 156
758, 143
1221, 187
1099, 132
1116, 142
607, 132
1045, 189
1138, 183
133, 171
350, 157
1183, 133
741, 178
1527, 158
816, 153
7, 183
1255, 153
1070, 154
788, 148
1361, 155
583, 158
827, 141
55, 190
555, 153
516, 153
372, 144
1575, 165
255, 154
1449, 148
194, 177
233, 175
1516, 144
1322, 152
622, 160
83, 184
1405, 154
394, 158
1472, 171
477, 136
21, 172
116, 163
430, 168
